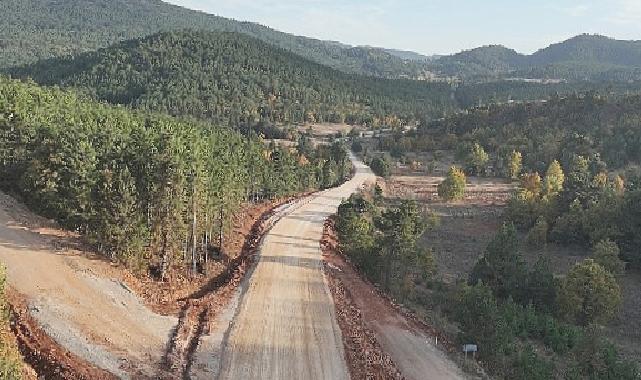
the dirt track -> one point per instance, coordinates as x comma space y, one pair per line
97, 319
285, 326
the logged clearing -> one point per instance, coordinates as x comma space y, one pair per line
98, 319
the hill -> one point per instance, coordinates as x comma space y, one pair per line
31, 30
234, 79
584, 57
483, 61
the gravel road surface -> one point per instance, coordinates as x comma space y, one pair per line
285, 326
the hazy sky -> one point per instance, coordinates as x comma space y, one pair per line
437, 26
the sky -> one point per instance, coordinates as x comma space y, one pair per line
437, 26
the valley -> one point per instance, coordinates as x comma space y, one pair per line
184, 195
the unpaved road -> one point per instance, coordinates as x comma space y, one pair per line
285, 326
95, 318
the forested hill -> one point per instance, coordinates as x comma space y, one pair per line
589, 125
584, 57
234, 79
487, 61
31, 30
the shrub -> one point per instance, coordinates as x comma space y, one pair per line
537, 237
606, 253
453, 187
529, 366
381, 166
586, 305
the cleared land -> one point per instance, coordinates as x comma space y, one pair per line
98, 319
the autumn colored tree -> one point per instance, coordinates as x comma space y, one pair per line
477, 159
514, 165
554, 179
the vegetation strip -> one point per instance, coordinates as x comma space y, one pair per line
364, 355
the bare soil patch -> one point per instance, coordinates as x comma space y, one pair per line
43, 354
326, 129
34, 247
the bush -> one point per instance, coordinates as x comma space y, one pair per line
381, 166
502, 268
537, 237
529, 366
357, 147
481, 322
597, 359
10, 360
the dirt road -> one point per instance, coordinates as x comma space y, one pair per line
285, 326
95, 318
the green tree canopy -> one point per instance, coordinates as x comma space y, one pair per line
453, 187
589, 294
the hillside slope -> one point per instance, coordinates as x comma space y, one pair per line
38, 29
231, 78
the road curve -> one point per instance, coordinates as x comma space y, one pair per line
285, 326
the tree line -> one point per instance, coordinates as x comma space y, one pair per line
144, 189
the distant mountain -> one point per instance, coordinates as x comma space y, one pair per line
234, 79
588, 48
31, 30
488, 61
585, 57
410, 55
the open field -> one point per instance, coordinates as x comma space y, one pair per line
326, 129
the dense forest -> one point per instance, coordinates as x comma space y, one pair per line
39, 29
143, 189
234, 79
